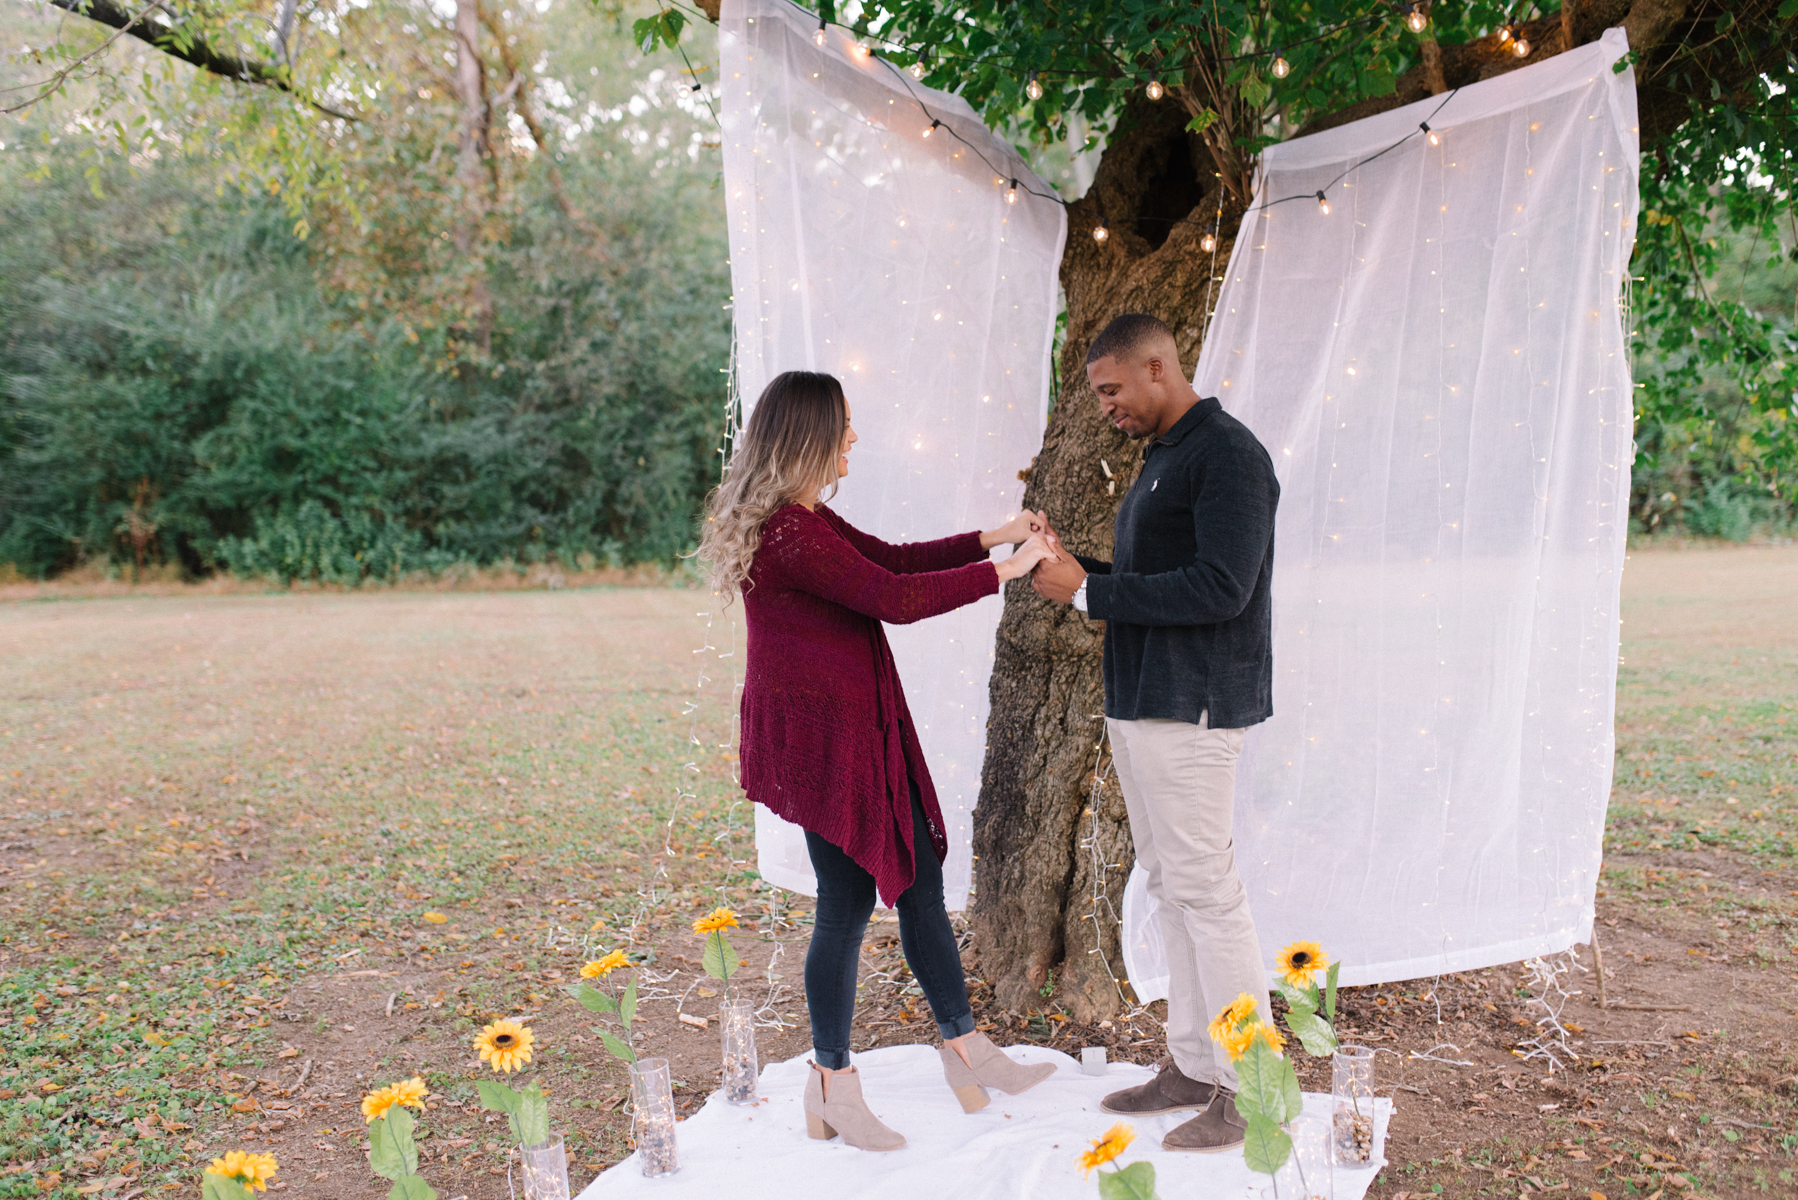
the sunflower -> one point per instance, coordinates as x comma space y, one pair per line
252, 1170
716, 920
1236, 1042
1231, 1017
410, 1092
1300, 961
605, 966
505, 1045
376, 1103
1271, 1036
1116, 1140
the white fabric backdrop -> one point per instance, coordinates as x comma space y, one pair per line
1438, 368
893, 261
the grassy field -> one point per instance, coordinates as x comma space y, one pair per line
225, 818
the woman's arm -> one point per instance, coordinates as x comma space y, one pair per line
909, 558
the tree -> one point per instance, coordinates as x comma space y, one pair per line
1188, 96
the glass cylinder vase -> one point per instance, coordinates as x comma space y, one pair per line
545, 1169
736, 1022
1306, 1173
652, 1116
1351, 1106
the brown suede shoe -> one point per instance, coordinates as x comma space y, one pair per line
1170, 1091
1219, 1127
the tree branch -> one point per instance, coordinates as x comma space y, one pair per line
195, 52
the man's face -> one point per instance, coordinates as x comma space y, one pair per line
1130, 393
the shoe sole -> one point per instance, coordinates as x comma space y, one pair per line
1200, 1149
1154, 1112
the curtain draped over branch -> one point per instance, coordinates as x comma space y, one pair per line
1438, 367
893, 260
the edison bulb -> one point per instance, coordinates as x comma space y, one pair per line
1415, 20
1101, 233
1155, 90
1011, 193
1435, 138
932, 128
1521, 47
1323, 204
1033, 89
1505, 34
917, 69
1281, 67
818, 38
1208, 243
862, 49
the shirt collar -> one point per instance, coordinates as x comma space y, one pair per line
1195, 416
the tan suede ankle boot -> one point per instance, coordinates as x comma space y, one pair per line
988, 1066
834, 1108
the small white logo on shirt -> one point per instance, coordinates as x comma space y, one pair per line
1155, 485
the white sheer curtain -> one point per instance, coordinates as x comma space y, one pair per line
893, 260
1438, 367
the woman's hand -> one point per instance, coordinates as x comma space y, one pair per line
1023, 560
1016, 531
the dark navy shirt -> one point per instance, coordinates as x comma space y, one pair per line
1185, 599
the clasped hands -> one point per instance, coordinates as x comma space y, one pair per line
1055, 574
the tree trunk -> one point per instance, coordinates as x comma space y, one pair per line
474, 166
1052, 847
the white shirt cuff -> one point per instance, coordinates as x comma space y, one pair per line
1080, 596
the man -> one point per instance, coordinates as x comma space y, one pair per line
1188, 668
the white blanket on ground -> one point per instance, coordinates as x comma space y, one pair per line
1016, 1147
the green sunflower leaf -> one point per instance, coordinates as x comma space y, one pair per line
411, 1187
391, 1151
720, 957
592, 999
1265, 1146
1134, 1182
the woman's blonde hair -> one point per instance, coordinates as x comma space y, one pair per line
787, 453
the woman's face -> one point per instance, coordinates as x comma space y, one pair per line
849, 439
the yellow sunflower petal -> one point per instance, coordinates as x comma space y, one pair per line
376, 1103
410, 1092
719, 918
505, 1045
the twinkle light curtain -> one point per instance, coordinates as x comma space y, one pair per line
893, 260
1437, 366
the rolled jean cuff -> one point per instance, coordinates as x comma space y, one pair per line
834, 1060
961, 1026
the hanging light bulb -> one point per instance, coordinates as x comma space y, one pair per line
1101, 233
818, 38
1281, 67
1011, 193
1155, 90
932, 128
1416, 20
1207, 243
917, 69
1435, 138
1521, 47
1323, 203
1032, 88
1505, 33
862, 49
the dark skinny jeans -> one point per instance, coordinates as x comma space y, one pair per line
845, 902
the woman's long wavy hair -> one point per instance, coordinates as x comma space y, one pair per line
788, 453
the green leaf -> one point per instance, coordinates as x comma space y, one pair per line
1268, 1085
218, 1187
1199, 124
500, 1098
1313, 1032
627, 1007
618, 1048
643, 32
1298, 1001
391, 1151
1330, 992
1788, 10
532, 1125
592, 999
1265, 1146
411, 1187
1134, 1182
1255, 90
720, 957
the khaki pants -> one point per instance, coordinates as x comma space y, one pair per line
1179, 783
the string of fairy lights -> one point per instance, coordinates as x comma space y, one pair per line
863, 47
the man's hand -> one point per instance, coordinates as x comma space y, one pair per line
1016, 531
1058, 580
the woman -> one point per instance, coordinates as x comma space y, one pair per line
827, 741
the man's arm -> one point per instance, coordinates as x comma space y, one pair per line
1233, 523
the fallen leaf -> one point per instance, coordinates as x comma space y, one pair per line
436, 918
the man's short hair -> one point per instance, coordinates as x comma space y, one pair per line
1126, 335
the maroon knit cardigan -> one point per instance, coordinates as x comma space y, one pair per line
828, 743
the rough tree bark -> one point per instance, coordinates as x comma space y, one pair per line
475, 165
1052, 847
